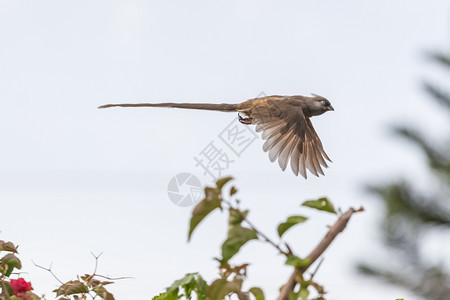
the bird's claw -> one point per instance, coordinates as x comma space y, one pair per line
246, 121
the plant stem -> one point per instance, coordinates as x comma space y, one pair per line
5, 290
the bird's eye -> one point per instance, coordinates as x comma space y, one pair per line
324, 102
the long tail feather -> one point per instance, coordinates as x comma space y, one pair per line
205, 106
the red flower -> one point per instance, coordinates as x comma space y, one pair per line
20, 287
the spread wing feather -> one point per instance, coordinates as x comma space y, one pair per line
290, 137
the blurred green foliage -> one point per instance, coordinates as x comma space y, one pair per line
412, 214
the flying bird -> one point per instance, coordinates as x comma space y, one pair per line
285, 125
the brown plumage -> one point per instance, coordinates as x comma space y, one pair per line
285, 125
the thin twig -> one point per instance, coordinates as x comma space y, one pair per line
317, 268
49, 270
95, 267
259, 233
114, 278
94, 274
18, 273
96, 261
264, 236
289, 248
332, 233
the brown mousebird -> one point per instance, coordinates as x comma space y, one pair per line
285, 124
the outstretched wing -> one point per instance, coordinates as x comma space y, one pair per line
289, 135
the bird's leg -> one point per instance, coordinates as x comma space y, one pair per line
246, 121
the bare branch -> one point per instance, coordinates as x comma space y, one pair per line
49, 269
332, 233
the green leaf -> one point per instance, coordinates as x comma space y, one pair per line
237, 216
173, 295
190, 282
201, 288
304, 293
203, 208
10, 261
32, 296
8, 288
237, 237
72, 287
220, 288
294, 296
243, 296
103, 293
296, 261
222, 181
7, 246
321, 204
258, 293
291, 221
187, 279
233, 191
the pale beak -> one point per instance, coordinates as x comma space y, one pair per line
330, 108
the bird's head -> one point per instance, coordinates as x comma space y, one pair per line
319, 105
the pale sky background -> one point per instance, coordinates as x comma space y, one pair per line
75, 179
